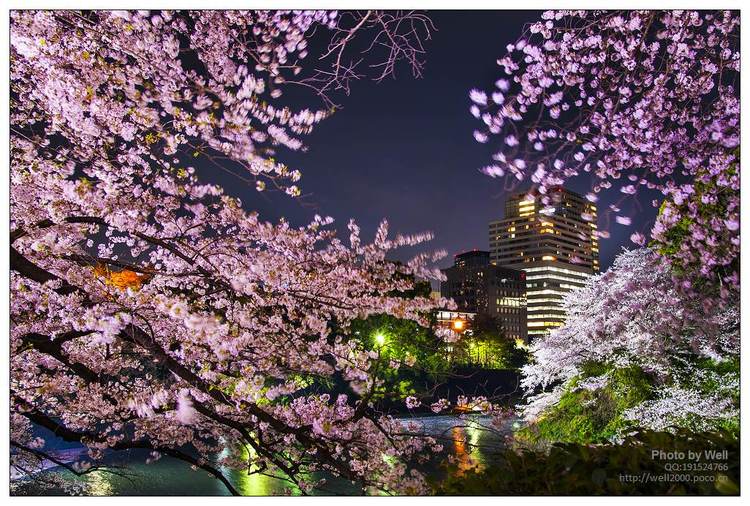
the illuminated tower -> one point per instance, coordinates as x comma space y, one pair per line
556, 245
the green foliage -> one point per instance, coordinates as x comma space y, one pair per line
709, 377
401, 339
419, 353
585, 416
490, 352
489, 347
595, 416
631, 467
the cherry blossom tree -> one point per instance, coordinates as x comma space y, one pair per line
633, 315
152, 311
638, 100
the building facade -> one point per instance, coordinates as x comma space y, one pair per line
477, 286
555, 244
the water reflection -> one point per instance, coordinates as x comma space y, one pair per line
464, 437
463, 460
251, 483
257, 484
466, 449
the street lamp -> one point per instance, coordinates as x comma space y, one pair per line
380, 338
458, 325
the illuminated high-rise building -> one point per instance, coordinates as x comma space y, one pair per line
557, 246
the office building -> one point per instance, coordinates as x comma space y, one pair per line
477, 286
555, 244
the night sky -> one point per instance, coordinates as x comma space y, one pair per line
403, 149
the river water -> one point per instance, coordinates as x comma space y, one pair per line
464, 437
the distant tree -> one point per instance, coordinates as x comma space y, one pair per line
488, 345
414, 356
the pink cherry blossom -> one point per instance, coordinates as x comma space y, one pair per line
152, 310
635, 99
634, 314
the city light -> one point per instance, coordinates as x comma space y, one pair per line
458, 324
380, 338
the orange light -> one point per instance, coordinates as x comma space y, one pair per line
458, 324
122, 280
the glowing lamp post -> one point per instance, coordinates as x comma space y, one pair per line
458, 327
380, 338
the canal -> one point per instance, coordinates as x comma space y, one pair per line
470, 439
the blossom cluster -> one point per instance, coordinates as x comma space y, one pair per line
639, 101
634, 315
151, 310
